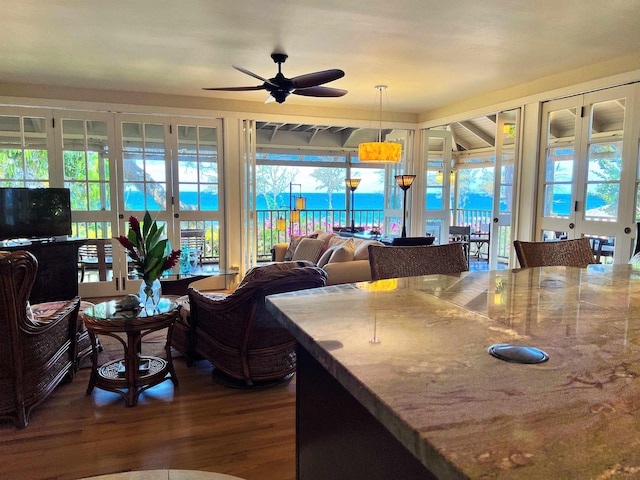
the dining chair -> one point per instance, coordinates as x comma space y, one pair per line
569, 253
411, 261
462, 235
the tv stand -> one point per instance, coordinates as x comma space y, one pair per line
57, 277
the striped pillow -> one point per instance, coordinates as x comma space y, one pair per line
309, 249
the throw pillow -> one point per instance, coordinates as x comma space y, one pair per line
324, 258
325, 237
344, 252
337, 240
309, 249
293, 244
362, 249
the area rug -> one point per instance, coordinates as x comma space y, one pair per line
152, 344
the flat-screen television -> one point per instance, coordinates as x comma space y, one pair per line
34, 212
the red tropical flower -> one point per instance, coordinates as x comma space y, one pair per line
147, 250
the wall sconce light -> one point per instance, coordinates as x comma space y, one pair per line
352, 184
404, 182
380, 152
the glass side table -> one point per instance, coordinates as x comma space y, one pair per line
134, 373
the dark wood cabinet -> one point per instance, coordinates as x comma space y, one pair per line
57, 277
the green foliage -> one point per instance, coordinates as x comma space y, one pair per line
272, 180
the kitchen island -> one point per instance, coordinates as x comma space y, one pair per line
394, 379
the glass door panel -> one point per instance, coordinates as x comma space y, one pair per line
144, 182
199, 207
500, 235
86, 142
436, 167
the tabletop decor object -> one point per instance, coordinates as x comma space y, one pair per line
147, 251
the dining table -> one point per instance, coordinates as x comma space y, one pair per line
505, 374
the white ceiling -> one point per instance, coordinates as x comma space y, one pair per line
430, 53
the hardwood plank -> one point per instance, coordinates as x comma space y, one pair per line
198, 426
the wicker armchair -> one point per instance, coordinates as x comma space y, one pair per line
568, 253
34, 357
396, 262
236, 333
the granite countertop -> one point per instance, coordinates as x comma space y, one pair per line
414, 353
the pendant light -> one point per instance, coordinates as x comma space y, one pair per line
380, 152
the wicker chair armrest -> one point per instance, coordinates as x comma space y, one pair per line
42, 340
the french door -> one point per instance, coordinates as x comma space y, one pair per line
435, 185
588, 169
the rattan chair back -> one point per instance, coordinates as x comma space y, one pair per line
239, 336
568, 253
397, 262
34, 356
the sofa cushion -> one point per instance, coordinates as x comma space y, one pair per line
362, 249
309, 249
344, 252
41, 313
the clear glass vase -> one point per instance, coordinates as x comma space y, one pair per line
150, 293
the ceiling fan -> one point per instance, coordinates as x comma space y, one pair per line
279, 87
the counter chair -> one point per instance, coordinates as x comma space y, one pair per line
396, 262
35, 356
569, 253
243, 341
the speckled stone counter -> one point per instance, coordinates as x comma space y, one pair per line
413, 353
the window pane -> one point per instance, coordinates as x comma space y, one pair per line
557, 201
561, 126
607, 118
602, 201
605, 162
35, 132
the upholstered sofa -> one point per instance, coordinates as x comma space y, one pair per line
344, 260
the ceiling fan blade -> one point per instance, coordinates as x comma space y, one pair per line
254, 75
237, 89
316, 78
320, 92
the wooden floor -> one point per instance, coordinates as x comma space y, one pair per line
198, 426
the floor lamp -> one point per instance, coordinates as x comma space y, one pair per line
352, 184
404, 182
